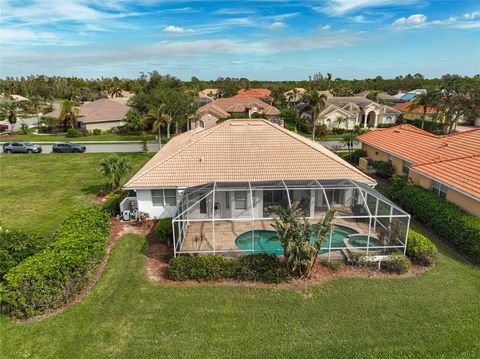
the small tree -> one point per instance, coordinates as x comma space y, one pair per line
349, 140
144, 139
295, 234
9, 111
114, 168
68, 114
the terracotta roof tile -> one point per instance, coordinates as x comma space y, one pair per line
405, 107
452, 159
238, 151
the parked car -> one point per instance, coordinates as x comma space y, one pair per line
21, 147
3, 127
62, 147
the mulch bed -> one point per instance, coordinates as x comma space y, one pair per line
156, 269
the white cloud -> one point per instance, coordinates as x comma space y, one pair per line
341, 7
178, 30
472, 15
412, 21
277, 25
326, 27
234, 11
361, 19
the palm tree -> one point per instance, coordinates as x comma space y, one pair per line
193, 94
349, 140
430, 99
338, 121
115, 91
36, 102
68, 114
315, 103
158, 117
114, 168
9, 110
373, 96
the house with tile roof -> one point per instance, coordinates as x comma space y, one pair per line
351, 111
224, 108
103, 114
260, 94
208, 95
222, 184
448, 165
415, 113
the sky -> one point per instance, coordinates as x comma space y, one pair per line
258, 39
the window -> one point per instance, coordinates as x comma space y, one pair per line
164, 197
389, 159
241, 200
201, 124
439, 189
328, 123
406, 167
203, 205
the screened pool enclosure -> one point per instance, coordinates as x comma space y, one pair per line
235, 218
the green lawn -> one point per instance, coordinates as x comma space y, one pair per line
433, 315
39, 191
119, 137
430, 316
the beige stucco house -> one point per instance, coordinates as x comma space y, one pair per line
447, 165
212, 113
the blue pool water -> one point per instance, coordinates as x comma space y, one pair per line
265, 241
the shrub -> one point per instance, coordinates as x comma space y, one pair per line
96, 132
450, 222
261, 267
204, 268
24, 128
420, 249
49, 278
333, 266
164, 231
112, 203
73, 132
355, 156
383, 169
16, 246
396, 263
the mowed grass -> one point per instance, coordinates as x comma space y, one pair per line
37, 192
433, 315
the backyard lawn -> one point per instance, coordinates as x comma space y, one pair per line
433, 315
39, 191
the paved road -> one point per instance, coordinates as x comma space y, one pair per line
338, 145
106, 148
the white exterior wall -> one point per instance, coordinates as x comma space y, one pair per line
144, 200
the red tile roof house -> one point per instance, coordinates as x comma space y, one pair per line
261, 94
221, 186
447, 165
415, 113
224, 108
103, 114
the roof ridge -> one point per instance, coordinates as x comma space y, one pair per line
455, 134
208, 132
310, 143
445, 160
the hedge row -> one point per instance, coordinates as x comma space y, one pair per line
15, 247
49, 278
456, 226
164, 231
258, 267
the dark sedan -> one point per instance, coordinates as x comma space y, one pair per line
21, 147
63, 147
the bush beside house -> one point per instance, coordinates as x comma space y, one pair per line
420, 249
164, 231
49, 278
452, 223
258, 267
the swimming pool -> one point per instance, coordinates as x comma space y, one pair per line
265, 241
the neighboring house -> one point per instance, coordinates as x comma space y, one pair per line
261, 94
410, 95
103, 114
414, 113
16, 98
224, 108
383, 97
207, 96
447, 165
221, 184
122, 97
348, 112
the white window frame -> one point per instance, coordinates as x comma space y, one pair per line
162, 195
237, 200
439, 189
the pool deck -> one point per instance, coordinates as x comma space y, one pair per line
227, 231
